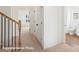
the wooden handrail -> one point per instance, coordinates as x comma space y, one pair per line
3, 18
8, 17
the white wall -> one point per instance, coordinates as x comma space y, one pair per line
37, 18
15, 10
69, 11
6, 10
69, 20
15, 14
74, 22
51, 32
53, 25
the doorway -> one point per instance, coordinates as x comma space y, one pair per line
71, 26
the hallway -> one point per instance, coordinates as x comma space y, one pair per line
43, 22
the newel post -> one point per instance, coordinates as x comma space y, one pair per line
19, 33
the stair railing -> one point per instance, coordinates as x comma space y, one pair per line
8, 28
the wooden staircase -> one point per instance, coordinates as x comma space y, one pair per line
9, 31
